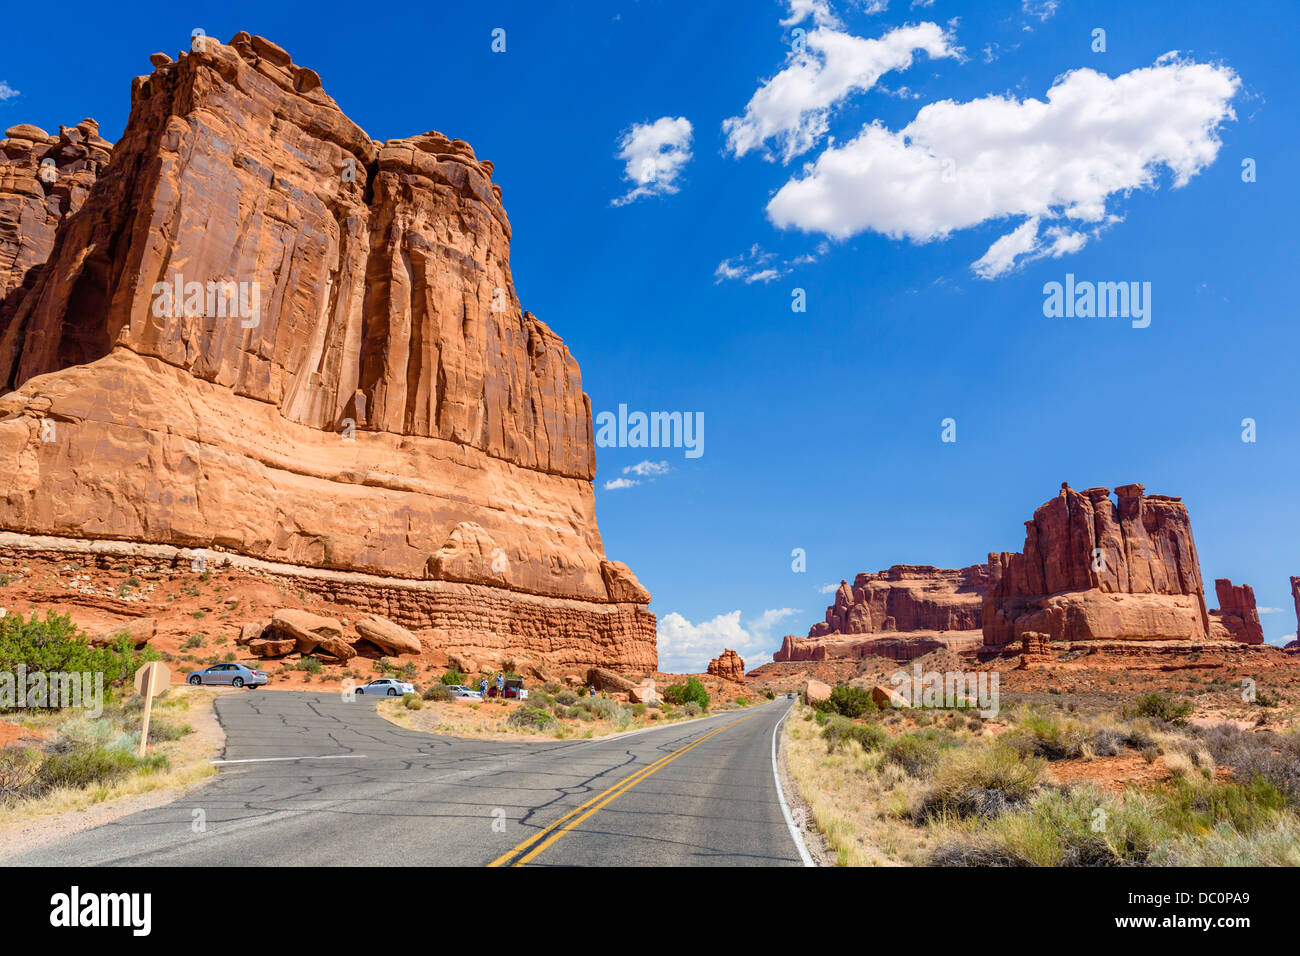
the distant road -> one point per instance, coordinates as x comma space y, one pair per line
310, 779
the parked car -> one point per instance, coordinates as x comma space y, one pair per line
514, 689
387, 686
789, 696
233, 675
464, 693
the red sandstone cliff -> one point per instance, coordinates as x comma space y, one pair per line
1093, 569
377, 402
902, 612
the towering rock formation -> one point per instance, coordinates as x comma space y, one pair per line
1092, 569
1295, 596
903, 612
1237, 618
43, 180
265, 333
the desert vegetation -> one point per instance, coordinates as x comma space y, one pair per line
1044, 786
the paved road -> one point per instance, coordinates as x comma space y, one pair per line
357, 789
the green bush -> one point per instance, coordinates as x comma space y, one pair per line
690, 692
691, 709
851, 702
914, 753
91, 766
566, 697
1163, 707
839, 729
980, 783
412, 701
311, 665
439, 691
54, 644
162, 729
534, 718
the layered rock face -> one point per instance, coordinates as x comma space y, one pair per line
1093, 569
728, 666
1237, 618
902, 612
43, 180
266, 333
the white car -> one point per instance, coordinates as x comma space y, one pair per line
464, 693
387, 686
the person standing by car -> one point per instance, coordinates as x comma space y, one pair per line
482, 687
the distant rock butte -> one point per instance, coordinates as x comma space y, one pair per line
901, 613
379, 403
728, 666
1237, 618
1092, 569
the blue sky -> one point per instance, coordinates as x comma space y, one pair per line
823, 427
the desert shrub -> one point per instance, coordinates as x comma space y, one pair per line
1040, 735
18, 769
53, 644
162, 729
639, 710
691, 709
1195, 806
451, 677
540, 698
1107, 742
742, 701
916, 754
1078, 827
311, 665
91, 766
1273, 758
851, 702
412, 701
690, 692
566, 697
601, 707
533, 718
440, 691
1278, 845
769, 694
1162, 707
838, 730
980, 783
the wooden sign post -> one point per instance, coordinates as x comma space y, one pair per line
150, 680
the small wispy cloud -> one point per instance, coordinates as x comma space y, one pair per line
615, 484
648, 469
7, 92
654, 155
759, 265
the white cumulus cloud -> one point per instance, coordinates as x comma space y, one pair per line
648, 468
7, 92
654, 155
686, 648
1052, 164
793, 108
615, 484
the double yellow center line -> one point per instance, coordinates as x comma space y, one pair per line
528, 851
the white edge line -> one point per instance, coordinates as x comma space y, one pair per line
785, 807
275, 759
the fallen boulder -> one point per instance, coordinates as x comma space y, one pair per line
272, 647
388, 637
306, 629
250, 632
815, 690
888, 697
140, 631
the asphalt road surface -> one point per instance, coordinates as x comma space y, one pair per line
310, 779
